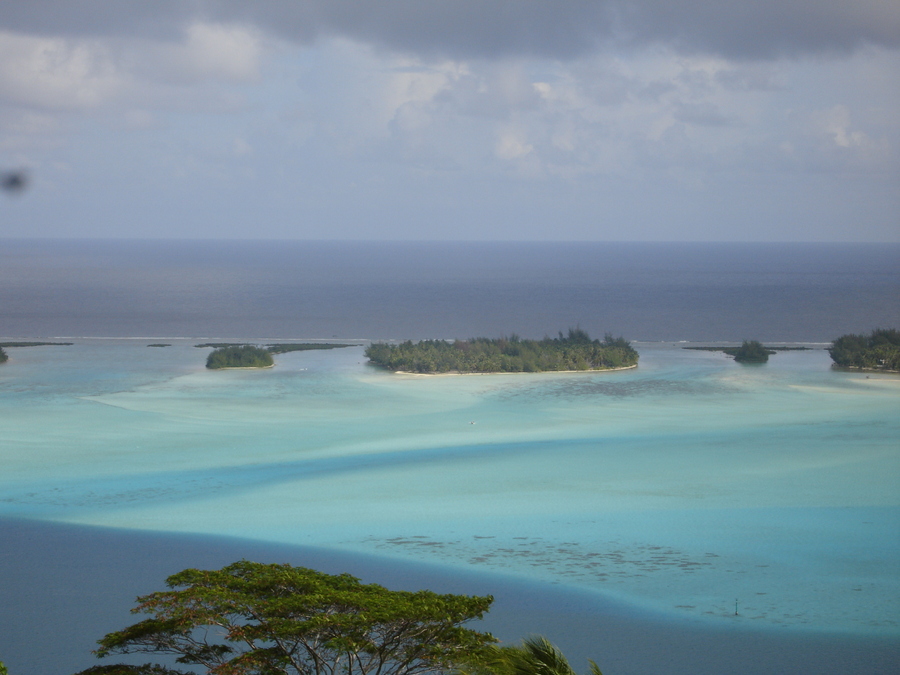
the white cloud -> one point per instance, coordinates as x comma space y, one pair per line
56, 74
207, 51
512, 145
836, 124
229, 104
82, 74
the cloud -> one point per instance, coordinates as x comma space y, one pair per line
207, 51
762, 29
161, 19
79, 73
54, 73
455, 106
512, 145
461, 29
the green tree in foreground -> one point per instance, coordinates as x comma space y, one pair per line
3, 358
123, 669
535, 656
250, 618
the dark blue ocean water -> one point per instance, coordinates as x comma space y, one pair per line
409, 290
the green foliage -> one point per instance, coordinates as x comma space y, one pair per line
279, 347
878, 351
245, 356
124, 669
4, 357
283, 348
160, 344
575, 351
35, 344
535, 656
750, 351
253, 619
3, 670
780, 348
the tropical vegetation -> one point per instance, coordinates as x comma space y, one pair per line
4, 357
535, 656
281, 347
574, 351
244, 356
34, 344
250, 618
880, 350
750, 351
284, 347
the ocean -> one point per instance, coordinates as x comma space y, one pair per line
739, 515
408, 290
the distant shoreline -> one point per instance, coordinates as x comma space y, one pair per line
510, 372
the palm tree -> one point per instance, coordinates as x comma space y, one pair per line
535, 656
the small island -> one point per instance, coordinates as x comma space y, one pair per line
751, 351
239, 356
4, 357
243, 355
880, 350
281, 347
573, 352
285, 347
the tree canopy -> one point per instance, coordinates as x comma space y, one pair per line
535, 656
244, 356
880, 350
575, 351
253, 618
751, 351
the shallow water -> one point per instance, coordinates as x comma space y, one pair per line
94, 574
690, 487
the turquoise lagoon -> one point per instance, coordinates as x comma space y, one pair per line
690, 487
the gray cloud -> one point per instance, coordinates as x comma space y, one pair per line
746, 29
159, 19
764, 28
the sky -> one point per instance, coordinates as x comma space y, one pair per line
571, 120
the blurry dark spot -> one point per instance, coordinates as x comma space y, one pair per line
14, 181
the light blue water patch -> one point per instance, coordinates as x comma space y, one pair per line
683, 486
